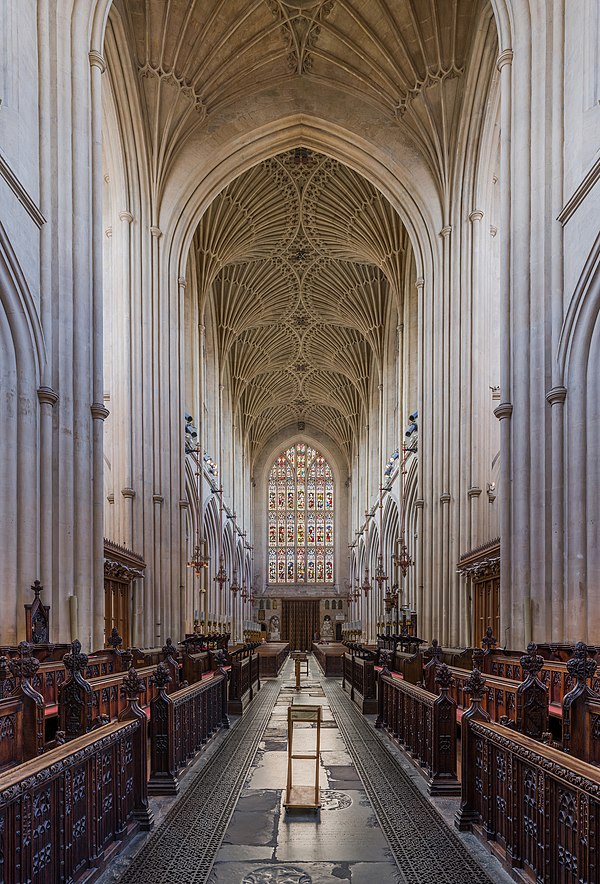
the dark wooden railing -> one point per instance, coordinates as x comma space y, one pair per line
59, 818
540, 806
424, 725
181, 724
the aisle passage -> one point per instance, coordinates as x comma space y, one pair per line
265, 845
375, 825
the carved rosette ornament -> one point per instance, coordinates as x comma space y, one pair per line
581, 666
132, 686
161, 677
444, 678
75, 661
531, 662
25, 666
475, 686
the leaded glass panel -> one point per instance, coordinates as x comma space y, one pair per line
301, 502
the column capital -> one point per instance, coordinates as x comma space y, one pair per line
445, 497
446, 230
156, 232
504, 410
420, 282
108, 232
158, 498
128, 492
505, 57
474, 491
419, 504
97, 60
476, 215
182, 281
99, 411
126, 216
47, 396
556, 394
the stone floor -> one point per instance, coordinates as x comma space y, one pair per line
259, 842
264, 844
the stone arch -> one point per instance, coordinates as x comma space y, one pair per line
578, 359
22, 366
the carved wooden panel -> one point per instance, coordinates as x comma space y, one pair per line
57, 817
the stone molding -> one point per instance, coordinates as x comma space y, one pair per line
556, 394
474, 491
47, 396
503, 411
99, 411
505, 57
97, 60
128, 492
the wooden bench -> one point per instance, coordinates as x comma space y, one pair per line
272, 656
22, 733
329, 658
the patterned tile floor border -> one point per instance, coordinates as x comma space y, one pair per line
184, 847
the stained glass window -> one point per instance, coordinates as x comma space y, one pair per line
300, 517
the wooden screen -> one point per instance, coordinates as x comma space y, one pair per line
116, 608
299, 623
486, 598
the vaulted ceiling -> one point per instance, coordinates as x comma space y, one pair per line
300, 257
300, 262
405, 58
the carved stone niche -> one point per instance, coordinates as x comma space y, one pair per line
37, 618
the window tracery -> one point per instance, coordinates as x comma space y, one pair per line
301, 517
